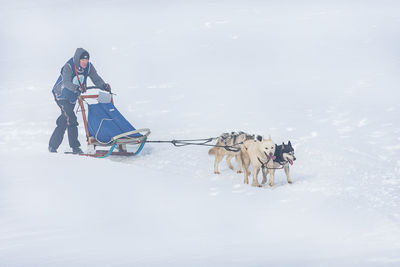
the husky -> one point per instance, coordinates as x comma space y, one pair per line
284, 155
235, 142
259, 152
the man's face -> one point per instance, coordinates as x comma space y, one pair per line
83, 63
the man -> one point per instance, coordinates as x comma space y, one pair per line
70, 84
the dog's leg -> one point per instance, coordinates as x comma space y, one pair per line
239, 162
246, 172
218, 158
255, 171
271, 176
264, 172
228, 161
246, 177
246, 163
286, 167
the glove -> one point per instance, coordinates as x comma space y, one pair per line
107, 87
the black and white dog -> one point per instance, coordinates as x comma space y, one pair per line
284, 155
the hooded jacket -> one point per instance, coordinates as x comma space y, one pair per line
67, 85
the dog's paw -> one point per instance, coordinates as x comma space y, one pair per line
290, 181
239, 171
217, 172
271, 184
230, 167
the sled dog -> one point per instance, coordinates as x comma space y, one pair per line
259, 152
284, 155
233, 141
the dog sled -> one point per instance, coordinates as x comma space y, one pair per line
106, 127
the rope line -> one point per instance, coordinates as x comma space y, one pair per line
198, 142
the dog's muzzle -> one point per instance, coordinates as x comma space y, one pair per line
270, 157
291, 161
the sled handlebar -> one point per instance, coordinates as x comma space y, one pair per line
96, 87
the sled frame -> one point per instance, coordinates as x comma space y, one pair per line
119, 141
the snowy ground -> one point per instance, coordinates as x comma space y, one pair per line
323, 75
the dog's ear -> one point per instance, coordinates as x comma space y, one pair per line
259, 138
290, 144
283, 145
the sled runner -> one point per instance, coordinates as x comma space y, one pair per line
106, 127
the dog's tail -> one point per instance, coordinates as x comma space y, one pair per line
212, 151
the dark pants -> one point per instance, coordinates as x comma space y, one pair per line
66, 121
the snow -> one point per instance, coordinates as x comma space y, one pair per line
321, 74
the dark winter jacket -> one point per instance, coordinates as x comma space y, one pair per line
67, 84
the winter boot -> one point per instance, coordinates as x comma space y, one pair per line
77, 150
